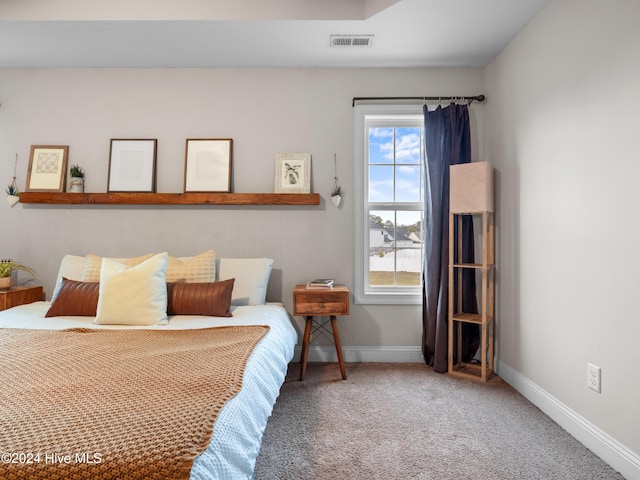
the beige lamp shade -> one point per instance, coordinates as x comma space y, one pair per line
471, 188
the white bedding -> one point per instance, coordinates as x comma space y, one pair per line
239, 427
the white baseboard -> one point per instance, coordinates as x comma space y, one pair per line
399, 354
607, 448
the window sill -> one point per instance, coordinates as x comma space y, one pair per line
361, 298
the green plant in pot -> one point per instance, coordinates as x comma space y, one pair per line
7, 267
13, 195
76, 180
336, 194
12, 190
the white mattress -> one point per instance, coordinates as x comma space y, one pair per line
239, 427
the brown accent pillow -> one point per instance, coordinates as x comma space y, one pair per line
75, 299
212, 299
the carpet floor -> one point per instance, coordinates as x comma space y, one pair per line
403, 421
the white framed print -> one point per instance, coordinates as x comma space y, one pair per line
207, 165
132, 165
293, 173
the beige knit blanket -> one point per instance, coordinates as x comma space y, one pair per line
114, 404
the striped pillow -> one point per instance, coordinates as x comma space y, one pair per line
75, 299
211, 299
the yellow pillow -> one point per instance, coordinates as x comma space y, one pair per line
198, 269
133, 295
92, 265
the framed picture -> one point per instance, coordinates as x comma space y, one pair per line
47, 168
207, 165
132, 165
293, 173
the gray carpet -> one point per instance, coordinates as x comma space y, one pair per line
402, 421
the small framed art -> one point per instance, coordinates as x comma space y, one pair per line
207, 165
47, 168
132, 165
293, 173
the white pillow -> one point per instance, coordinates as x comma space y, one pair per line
133, 295
198, 269
71, 267
251, 278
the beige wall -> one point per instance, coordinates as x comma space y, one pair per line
562, 129
265, 111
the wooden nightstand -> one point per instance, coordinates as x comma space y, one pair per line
310, 302
19, 296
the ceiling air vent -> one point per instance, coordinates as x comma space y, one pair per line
351, 40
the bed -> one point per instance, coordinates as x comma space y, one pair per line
230, 452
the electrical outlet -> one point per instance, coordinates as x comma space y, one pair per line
593, 377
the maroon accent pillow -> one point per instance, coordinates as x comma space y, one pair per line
212, 299
75, 299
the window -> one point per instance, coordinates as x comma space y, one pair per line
389, 214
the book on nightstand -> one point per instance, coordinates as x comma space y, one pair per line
321, 283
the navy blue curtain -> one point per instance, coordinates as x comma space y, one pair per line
447, 142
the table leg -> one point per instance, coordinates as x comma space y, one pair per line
336, 339
305, 346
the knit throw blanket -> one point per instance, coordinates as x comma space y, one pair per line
115, 404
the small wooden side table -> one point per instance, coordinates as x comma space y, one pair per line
310, 302
15, 296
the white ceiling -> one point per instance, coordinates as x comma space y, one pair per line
258, 33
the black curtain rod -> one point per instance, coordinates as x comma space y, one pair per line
477, 98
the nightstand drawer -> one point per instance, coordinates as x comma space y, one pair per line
19, 296
333, 301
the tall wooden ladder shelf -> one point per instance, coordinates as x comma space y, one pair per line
471, 194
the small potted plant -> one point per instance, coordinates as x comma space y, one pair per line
6, 269
76, 180
13, 195
336, 195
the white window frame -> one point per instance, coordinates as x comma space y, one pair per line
364, 293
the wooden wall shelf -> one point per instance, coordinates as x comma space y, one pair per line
57, 198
